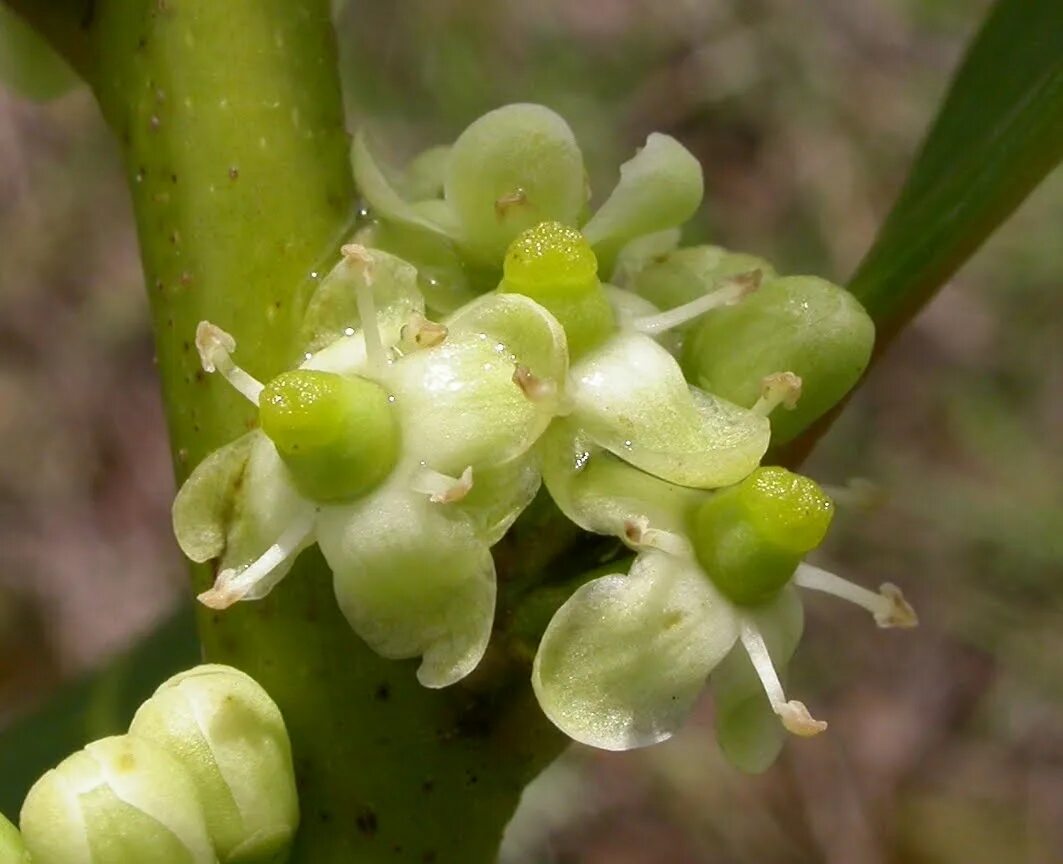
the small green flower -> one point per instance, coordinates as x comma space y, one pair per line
624, 658
400, 443
519, 166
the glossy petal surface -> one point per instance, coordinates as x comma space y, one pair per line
624, 659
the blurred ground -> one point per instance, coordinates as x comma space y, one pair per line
946, 744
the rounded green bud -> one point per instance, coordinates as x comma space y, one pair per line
555, 266
683, 275
750, 538
514, 167
121, 800
338, 435
12, 849
230, 738
797, 324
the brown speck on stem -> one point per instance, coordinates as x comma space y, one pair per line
234, 172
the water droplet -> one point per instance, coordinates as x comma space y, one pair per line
348, 331
307, 355
627, 443
313, 274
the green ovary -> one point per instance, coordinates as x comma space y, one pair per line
338, 435
556, 267
750, 538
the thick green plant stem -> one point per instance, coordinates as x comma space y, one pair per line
229, 117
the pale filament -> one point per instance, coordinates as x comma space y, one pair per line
215, 348
359, 257
793, 714
232, 585
442, 488
728, 295
779, 388
888, 607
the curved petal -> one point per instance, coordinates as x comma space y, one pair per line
463, 402
412, 578
748, 730
332, 314
271, 524
631, 398
499, 495
204, 504
624, 658
659, 188
602, 493
383, 199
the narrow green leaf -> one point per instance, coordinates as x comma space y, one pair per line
998, 134
28, 64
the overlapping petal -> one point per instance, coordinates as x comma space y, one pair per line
624, 658
631, 398
412, 579
461, 401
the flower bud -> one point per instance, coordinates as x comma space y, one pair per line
12, 849
230, 738
121, 800
800, 324
751, 537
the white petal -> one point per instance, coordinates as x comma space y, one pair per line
412, 579
203, 506
602, 493
624, 658
631, 398
459, 401
382, 197
659, 188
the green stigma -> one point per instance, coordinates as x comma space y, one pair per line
750, 538
555, 266
338, 435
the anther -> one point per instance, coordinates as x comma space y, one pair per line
534, 388
442, 488
793, 714
779, 388
639, 535
503, 204
420, 333
888, 607
215, 348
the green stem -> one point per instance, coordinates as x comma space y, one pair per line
229, 115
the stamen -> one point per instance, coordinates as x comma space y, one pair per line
534, 388
359, 257
728, 295
888, 607
442, 488
419, 332
639, 535
793, 714
231, 585
859, 493
516, 198
779, 388
215, 348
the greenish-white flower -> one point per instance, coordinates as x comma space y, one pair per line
402, 447
623, 660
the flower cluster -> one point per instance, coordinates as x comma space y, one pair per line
203, 775
482, 336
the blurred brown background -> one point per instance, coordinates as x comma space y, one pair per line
946, 743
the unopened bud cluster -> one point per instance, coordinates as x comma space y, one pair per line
204, 776
481, 336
